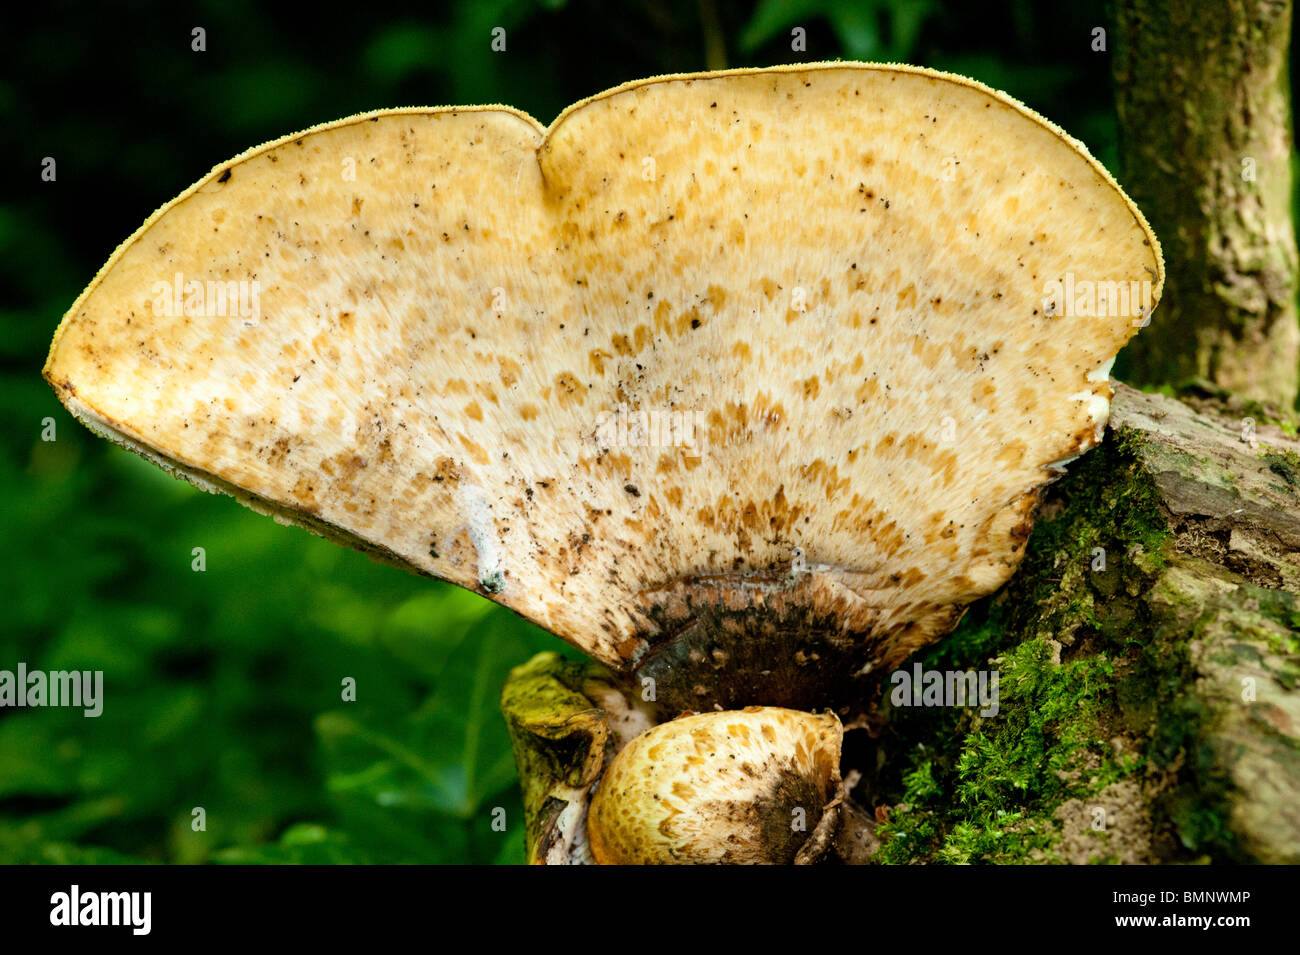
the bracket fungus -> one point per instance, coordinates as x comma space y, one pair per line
860, 284
743, 383
718, 788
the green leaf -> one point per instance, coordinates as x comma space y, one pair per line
773, 16
301, 844
454, 750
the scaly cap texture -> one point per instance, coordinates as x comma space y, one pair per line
744, 787
743, 381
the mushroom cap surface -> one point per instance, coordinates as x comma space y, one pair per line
752, 374
742, 787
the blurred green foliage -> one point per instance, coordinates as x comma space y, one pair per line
223, 688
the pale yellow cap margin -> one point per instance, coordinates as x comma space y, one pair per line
1102, 172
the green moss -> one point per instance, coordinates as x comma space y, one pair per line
1169, 391
1094, 641
1052, 725
1284, 462
1067, 636
991, 797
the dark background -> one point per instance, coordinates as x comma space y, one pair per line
223, 687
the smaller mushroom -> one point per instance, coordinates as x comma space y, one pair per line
749, 786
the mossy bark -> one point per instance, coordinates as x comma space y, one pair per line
1205, 141
1148, 652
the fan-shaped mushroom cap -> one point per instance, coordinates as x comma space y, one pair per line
844, 285
731, 787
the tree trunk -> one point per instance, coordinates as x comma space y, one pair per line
1148, 653
1205, 143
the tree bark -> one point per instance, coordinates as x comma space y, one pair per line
1205, 144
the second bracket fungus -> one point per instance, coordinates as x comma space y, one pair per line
743, 383
718, 788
